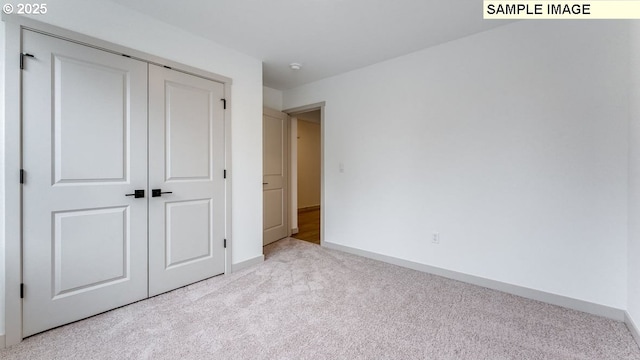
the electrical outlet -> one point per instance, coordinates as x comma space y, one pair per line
435, 238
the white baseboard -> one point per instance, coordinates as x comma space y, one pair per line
295, 231
3, 344
559, 300
633, 327
247, 263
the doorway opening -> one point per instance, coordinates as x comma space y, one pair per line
308, 156
306, 174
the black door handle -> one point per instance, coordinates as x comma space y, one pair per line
159, 192
136, 194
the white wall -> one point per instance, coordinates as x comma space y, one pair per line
633, 307
308, 151
272, 98
512, 144
2, 207
293, 175
111, 22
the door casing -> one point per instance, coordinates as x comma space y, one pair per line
293, 112
12, 152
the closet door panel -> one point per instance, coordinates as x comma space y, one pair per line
186, 165
84, 149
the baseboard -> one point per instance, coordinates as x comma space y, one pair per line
632, 326
3, 344
554, 299
308, 208
247, 263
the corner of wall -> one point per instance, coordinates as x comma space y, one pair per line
247, 263
633, 206
633, 328
272, 98
2, 203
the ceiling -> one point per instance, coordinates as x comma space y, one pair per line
328, 37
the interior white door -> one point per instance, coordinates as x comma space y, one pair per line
84, 149
274, 180
186, 167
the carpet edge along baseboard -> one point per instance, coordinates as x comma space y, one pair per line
632, 326
247, 263
533, 294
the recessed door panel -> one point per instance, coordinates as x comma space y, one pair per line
84, 148
188, 237
273, 209
274, 130
91, 249
188, 136
91, 117
186, 162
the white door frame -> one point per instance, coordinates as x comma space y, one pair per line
293, 112
11, 222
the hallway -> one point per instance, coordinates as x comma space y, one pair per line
309, 225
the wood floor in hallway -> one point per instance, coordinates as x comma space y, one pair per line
308, 225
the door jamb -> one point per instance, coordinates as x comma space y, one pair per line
228, 177
293, 112
11, 153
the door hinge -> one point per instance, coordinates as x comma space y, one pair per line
225, 243
225, 173
224, 103
21, 291
21, 176
22, 55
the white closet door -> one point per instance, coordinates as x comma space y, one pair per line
84, 149
186, 164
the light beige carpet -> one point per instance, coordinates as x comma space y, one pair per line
306, 302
